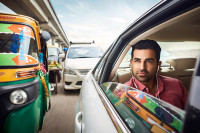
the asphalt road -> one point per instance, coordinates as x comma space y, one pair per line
60, 118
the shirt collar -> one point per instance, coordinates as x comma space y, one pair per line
138, 84
160, 85
142, 87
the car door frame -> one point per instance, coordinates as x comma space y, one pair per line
162, 12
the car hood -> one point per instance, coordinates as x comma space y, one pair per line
81, 63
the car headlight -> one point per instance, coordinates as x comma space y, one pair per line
18, 97
70, 71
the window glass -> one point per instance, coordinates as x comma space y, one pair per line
143, 112
17, 45
171, 50
85, 52
99, 69
53, 54
126, 61
52, 51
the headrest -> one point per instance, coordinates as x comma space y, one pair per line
182, 63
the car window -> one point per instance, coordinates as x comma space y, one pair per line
143, 112
52, 51
126, 61
184, 49
170, 50
85, 52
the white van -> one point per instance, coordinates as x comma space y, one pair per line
80, 60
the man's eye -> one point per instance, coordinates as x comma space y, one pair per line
136, 61
150, 61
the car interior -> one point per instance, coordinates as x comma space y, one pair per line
179, 39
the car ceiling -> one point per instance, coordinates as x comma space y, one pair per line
185, 27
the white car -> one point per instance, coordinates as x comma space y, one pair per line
81, 58
175, 25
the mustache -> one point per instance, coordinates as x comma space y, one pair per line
143, 71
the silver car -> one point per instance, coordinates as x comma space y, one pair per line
175, 25
81, 58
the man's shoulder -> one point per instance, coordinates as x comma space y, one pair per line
168, 79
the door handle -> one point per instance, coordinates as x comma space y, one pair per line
78, 122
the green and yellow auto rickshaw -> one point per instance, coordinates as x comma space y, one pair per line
24, 85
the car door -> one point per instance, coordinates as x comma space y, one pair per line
166, 12
192, 119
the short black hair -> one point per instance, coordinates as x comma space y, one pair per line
147, 44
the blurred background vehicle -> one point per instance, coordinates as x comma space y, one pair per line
55, 65
80, 59
53, 53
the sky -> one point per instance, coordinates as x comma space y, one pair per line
99, 20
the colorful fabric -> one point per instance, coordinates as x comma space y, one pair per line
44, 84
159, 111
169, 90
145, 107
16, 28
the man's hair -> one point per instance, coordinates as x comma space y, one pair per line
147, 44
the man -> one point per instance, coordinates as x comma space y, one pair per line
65, 51
145, 65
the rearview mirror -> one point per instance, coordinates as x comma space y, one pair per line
46, 35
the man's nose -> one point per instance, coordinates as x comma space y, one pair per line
142, 65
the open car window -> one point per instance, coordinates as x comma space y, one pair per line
143, 112
17, 45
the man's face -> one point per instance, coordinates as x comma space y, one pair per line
144, 64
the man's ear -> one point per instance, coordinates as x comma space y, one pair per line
130, 62
159, 65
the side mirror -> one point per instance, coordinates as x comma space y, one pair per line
46, 35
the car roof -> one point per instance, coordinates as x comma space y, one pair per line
84, 45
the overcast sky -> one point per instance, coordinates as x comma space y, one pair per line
98, 20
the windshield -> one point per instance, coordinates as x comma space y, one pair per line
143, 112
52, 51
85, 52
17, 45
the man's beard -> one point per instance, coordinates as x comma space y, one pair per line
146, 78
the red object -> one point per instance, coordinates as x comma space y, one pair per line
43, 68
169, 90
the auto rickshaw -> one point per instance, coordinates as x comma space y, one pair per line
24, 81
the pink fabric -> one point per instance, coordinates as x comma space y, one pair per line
169, 89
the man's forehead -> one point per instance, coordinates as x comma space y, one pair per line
140, 53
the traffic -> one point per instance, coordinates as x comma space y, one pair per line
146, 81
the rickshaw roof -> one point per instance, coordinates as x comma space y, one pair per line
17, 18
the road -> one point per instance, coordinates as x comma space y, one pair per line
60, 118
